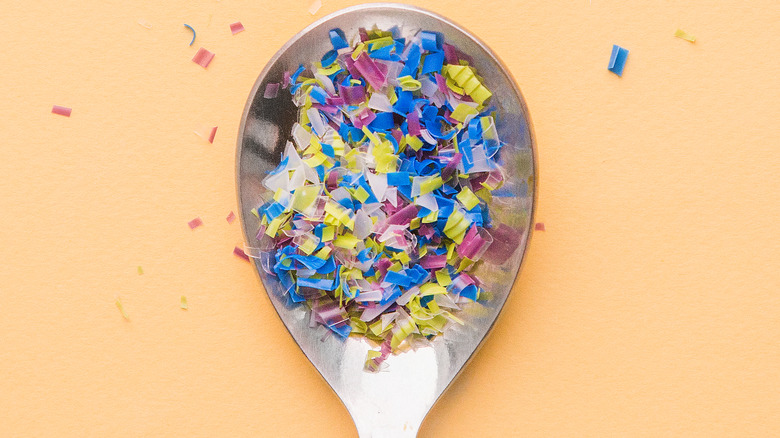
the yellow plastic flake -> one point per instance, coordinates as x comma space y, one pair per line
415, 223
462, 111
432, 289
384, 155
324, 252
402, 332
391, 95
359, 326
450, 252
451, 84
338, 147
402, 257
467, 198
371, 136
276, 224
464, 264
316, 159
339, 213
378, 43
443, 277
464, 76
430, 218
328, 233
430, 184
358, 50
485, 195
456, 227
423, 251
309, 245
183, 303
414, 142
379, 33
679, 33
304, 198
351, 158
330, 70
377, 329
140, 271
409, 83
122, 309
433, 307
361, 194
346, 241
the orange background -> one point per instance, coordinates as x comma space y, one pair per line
649, 307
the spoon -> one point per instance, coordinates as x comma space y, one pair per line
393, 402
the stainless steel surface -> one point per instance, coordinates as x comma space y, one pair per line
392, 403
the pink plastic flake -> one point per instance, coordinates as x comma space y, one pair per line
61, 110
195, 223
203, 57
236, 27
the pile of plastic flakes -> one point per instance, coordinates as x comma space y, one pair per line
380, 206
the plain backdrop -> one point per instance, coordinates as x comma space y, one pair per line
649, 307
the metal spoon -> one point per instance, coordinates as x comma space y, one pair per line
394, 402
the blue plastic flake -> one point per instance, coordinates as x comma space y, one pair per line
435, 128
342, 329
471, 292
318, 94
433, 63
317, 283
385, 53
382, 121
397, 279
337, 39
329, 58
399, 179
404, 103
617, 61
412, 62
431, 41
328, 150
296, 73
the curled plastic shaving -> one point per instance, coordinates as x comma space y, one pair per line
193, 33
379, 208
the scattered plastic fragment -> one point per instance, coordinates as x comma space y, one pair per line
271, 90
617, 61
539, 226
121, 309
183, 303
679, 33
231, 217
236, 27
379, 210
203, 57
195, 223
140, 271
238, 252
315, 6
61, 110
208, 133
193, 33
144, 23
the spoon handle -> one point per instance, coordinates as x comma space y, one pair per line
384, 432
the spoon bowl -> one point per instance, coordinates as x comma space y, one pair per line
393, 402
